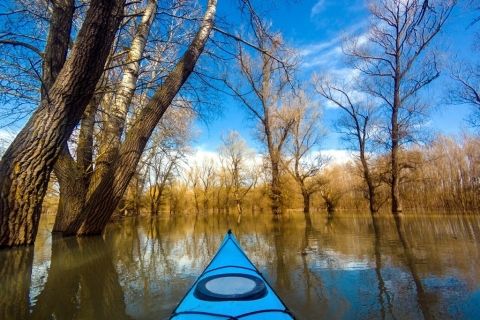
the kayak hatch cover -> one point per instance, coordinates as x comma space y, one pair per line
231, 287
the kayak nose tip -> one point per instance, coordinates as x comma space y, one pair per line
229, 231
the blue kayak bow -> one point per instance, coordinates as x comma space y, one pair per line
231, 287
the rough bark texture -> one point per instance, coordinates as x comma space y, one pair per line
74, 175
26, 165
395, 138
115, 116
77, 181
57, 43
107, 195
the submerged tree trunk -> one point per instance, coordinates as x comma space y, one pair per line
107, 195
276, 192
306, 208
422, 299
26, 165
371, 190
306, 201
74, 176
72, 204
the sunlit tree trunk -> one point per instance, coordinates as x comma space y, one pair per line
105, 198
78, 182
26, 165
395, 137
115, 115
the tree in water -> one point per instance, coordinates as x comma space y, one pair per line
357, 127
234, 154
107, 191
261, 87
396, 65
304, 163
26, 165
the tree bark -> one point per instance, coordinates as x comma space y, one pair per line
72, 203
26, 165
74, 176
395, 140
58, 40
107, 195
276, 193
115, 116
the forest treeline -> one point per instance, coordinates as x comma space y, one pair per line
111, 89
440, 178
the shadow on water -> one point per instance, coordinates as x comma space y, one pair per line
349, 266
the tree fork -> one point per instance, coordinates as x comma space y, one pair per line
104, 200
26, 165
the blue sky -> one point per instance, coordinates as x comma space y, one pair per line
315, 29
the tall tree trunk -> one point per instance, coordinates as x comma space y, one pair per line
26, 165
369, 180
115, 116
74, 176
395, 136
106, 196
114, 120
58, 40
276, 193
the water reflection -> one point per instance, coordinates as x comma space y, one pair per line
346, 267
82, 283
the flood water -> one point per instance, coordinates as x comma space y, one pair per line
342, 268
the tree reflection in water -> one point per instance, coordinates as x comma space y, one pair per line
82, 283
350, 266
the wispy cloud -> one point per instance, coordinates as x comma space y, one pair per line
328, 54
318, 7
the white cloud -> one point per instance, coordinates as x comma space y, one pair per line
338, 156
317, 8
328, 54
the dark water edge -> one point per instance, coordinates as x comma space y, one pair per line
341, 268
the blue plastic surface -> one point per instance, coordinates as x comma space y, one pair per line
230, 258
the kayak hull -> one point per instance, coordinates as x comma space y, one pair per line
230, 264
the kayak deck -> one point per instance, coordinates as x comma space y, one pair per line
231, 287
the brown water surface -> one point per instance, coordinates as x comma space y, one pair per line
342, 268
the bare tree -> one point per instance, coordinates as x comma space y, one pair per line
167, 149
303, 161
106, 195
26, 165
357, 127
234, 154
207, 175
262, 82
466, 76
397, 63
